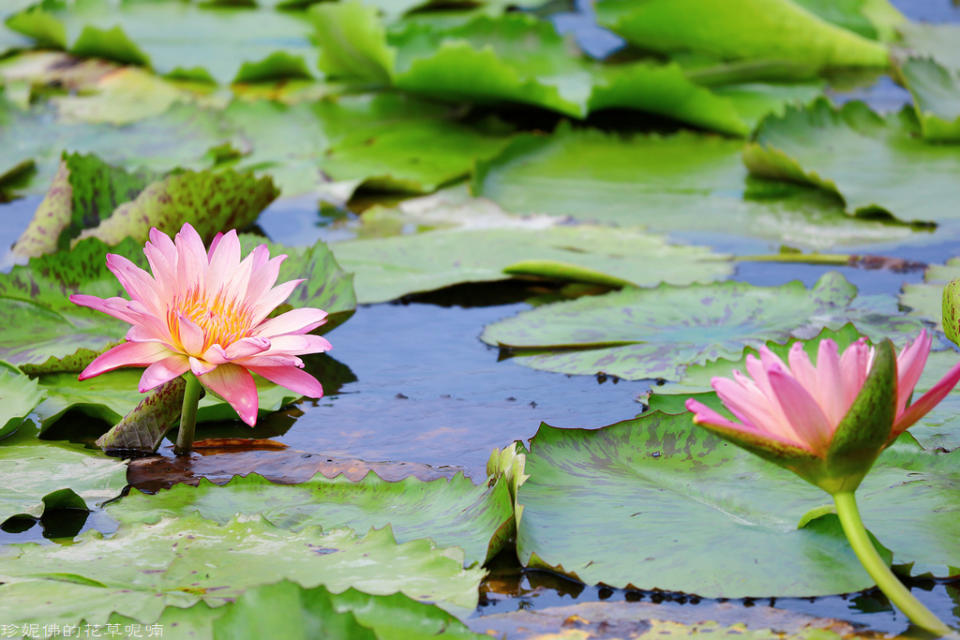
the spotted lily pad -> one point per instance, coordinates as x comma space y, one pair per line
178, 562
678, 183
873, 162
53, 475
387, 268
660, 491
452, 512
657, 333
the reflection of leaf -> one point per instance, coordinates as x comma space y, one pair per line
179, 562
662, 490
51, 475
936, 98
683, 182
872, 161
387, 268
739, 29
171, 37
452, 512
656, 333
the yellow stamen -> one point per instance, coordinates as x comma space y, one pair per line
223, 319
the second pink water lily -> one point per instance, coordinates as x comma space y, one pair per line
799, 404
206, 311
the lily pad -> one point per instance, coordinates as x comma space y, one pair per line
874, 19
452, 512
657, 333
873, 162
939, 430
19, 395
682, 182
387, 268
516, 58
936, 98
926, 299
178, 562
185, 39
54, 475
659, 491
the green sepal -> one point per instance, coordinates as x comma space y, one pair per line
785, 455
142, 429
951, 311
864, 431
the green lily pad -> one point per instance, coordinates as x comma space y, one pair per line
84, 191
936, 98
288, 610
111, 396
658, 491
54, 475
379, 141
744, 29
387, 268
211, 42
874, 19
681, 182
657, 333
938, 41
178, 562
516, 58
926, 299
452, 512
939, 430
19, 395
873, 162
47, 333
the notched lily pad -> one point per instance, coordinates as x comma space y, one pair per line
936, 97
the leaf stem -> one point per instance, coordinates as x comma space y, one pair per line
880, 572
188, 416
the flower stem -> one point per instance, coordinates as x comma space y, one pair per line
878, 569
188, 416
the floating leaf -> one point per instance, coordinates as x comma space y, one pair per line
926, 299
682, 182
19, 395
178, 562
742, 29
452, 512
212, 201
874, 19
936, 98
516, 58
53, 475
661, 490
387, 268
657, 333
170, 37
873, 162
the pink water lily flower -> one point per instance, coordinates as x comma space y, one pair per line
801, 405
206, 312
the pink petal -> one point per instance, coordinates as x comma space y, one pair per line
705, 415
163, 371
910, 364
247, 347
191, 258
273, 299
213, 245
270, 360
829, 384
117, 307
128, 354
854, 367
264, 273
224, 260
199, 367
235, 385
137, 282
298, 345
927, 402
295, 321
191, 336
804, 416
748, 405
802, 369
292, 378
164, 245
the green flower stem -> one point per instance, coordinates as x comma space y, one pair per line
188, 416
880, 572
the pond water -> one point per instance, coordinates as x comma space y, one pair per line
414, 384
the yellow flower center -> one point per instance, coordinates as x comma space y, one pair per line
223, 320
